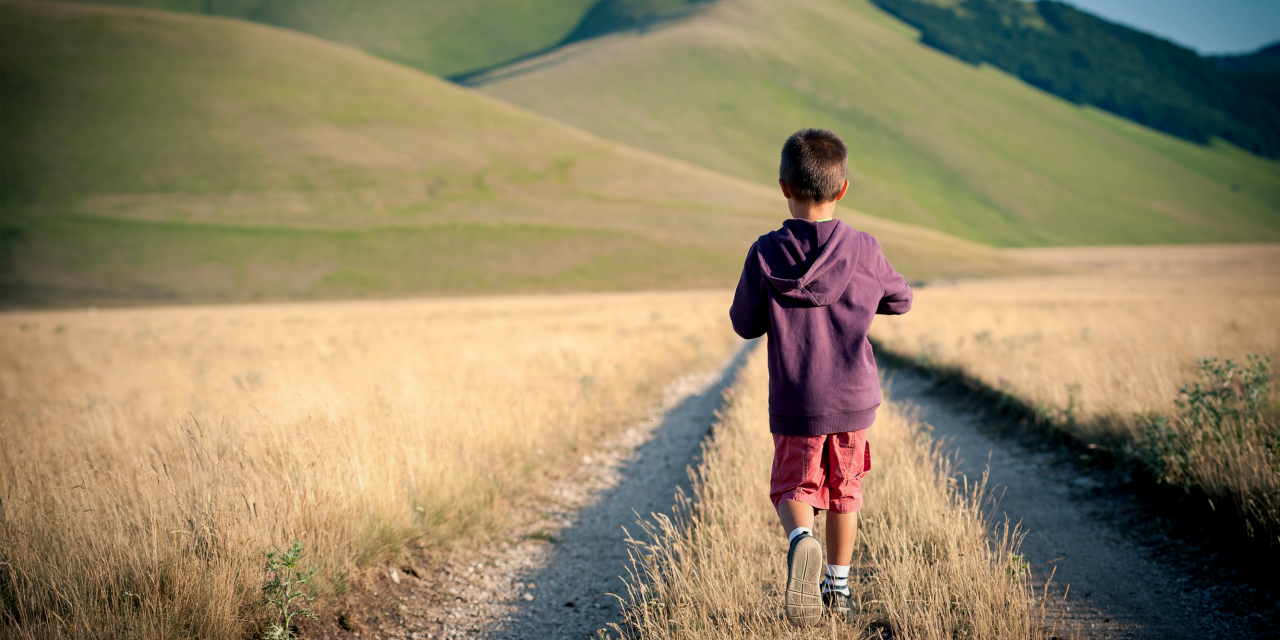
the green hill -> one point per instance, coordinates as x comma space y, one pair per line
1088, 60
1259, 71
1264, 61
442, 37
149, 156
970, 151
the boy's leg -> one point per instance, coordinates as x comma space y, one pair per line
795, 514
850, 460
842, 534
797, 484
802, 598
798, 479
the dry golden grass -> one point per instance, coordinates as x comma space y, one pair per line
1125, 332
925, 569
149, 457
1117, 339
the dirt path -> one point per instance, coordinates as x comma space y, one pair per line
1117, 588
554, 579
572, 580
557, 580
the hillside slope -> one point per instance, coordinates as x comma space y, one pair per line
967, 150
1088, 60
442, 37
150, 156
439, 36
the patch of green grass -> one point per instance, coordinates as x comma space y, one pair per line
80, 261
969, 151
438, 36
441, 37
542, 536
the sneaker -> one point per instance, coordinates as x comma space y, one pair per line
804, 579
838, 605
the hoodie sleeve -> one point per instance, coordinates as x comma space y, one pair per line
750, 310
896, 299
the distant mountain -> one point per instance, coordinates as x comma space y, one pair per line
1261, 62
1260, 71
1088, 60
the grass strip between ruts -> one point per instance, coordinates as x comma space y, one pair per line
925, 566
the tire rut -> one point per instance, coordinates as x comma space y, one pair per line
1115, 587
563, 590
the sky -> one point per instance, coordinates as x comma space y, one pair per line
1208, 26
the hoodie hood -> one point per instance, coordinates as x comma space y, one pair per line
810, 263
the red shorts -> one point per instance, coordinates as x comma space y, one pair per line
824, 472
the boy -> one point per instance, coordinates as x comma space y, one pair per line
814, 286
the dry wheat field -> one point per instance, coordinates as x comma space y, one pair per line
1112, 341
1126, 328
149, 457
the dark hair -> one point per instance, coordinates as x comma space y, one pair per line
815, 164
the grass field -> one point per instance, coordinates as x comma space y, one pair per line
439, 37
968, 151
924, 568
159, 452
156, 157
149, 456
1100, 351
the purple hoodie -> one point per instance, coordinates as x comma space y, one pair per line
814, 288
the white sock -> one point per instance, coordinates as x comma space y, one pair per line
791, 537
837, 579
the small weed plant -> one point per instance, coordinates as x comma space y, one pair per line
1223, 409
288, 585
1223, 439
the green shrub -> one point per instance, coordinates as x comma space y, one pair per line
1221, 411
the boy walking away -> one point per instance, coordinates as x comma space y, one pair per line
814, 286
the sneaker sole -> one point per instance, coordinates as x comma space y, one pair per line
804, 588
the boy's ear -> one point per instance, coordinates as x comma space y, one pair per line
786, 191
843, 190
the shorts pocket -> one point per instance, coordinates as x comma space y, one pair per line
866, 459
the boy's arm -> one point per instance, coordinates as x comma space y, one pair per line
750, 310
896, 299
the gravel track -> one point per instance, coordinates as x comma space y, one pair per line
555, 577
557, 582
1118, 587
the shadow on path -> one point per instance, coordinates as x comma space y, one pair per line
605, 17
572, 598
